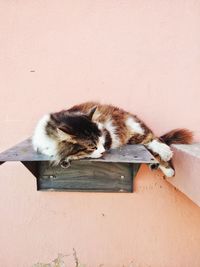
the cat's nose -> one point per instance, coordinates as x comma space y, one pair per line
102, 150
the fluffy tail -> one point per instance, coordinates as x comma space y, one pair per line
177, 136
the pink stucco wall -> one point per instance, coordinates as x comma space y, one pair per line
141, 55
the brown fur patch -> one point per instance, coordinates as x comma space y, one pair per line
177, 136
118, 117
108, 140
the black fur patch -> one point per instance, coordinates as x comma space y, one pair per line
108, 139
78, 125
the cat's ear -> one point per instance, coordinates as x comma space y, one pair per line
91, 112
63, 135
53, 116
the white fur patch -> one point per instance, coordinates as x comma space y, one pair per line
134, 126
112, 130
41, 142
102, 140
168, 172
163, 150
100, 125
100, 149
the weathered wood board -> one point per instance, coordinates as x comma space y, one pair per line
88, 176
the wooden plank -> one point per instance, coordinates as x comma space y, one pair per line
88, 176
22, 152
126, 154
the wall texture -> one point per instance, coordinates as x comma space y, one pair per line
141, 55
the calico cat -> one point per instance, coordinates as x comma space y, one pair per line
89, 129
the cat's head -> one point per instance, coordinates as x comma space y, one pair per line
77, 135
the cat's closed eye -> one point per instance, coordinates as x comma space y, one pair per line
94, 147
79, 148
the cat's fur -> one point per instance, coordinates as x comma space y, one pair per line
89, 129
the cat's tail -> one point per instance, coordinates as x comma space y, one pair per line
177, 136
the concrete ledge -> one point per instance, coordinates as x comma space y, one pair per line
187, 165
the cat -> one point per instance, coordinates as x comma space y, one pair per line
88, 130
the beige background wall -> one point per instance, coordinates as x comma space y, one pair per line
141, 55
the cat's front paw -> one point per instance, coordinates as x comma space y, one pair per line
45, 151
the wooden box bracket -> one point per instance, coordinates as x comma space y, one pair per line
112, 173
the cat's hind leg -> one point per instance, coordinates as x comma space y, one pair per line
163, 153
166, 167
161, 149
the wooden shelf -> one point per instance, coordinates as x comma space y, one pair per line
114, 172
